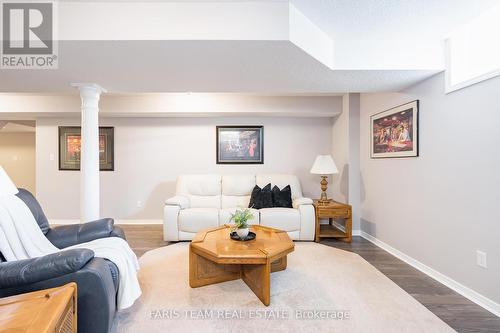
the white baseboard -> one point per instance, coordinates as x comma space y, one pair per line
146, 221
355, 232
117, 221
472, 295
63, 221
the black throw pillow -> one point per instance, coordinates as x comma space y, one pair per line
255, 197
261, 198
282, 198
267, 197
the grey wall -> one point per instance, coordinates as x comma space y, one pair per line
441, 207
345, 152
354, 164
151, 152
339, 183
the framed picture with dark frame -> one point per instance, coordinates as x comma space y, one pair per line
70, 148
240, 144
394, 132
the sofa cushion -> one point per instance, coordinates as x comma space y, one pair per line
229, 201
35, 209
287, 219
203, 191
238, 185
201, 185
254, 196
202, 201
236, 190
225, 215
197, 219
281, 181
261, 198
283, 197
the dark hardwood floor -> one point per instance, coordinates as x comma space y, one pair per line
454, 309
144, 237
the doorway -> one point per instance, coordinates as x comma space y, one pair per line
18, 152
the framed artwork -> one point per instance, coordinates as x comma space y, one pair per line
240, 144
394, 133
70, 144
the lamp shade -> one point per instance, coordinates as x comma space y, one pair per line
7, 187
324, 165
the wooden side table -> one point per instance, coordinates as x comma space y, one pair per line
333, 210
51, 310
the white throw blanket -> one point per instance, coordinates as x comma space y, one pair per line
22, 238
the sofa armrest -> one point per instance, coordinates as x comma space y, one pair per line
28, 271
170, 223
179, 200
72, 234
96, 293
118, 232
301, 201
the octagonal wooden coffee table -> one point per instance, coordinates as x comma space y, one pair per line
214, 257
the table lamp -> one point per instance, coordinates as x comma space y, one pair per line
7, 187
324, 166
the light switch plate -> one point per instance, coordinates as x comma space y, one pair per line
481, 259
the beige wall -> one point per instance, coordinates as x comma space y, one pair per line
17, 156
151, 152
442, 206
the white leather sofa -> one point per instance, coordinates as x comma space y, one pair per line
206, 201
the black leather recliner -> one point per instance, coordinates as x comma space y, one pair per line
97, 278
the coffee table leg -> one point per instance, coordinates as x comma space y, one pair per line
203, 272
258, 279
278, 265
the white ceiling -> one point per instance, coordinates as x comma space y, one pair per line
377, 19
260, 66
199, 66
391, 19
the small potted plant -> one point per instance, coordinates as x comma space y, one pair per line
240, 219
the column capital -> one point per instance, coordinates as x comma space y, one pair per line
92, 89
90, 94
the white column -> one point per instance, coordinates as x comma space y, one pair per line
89, 154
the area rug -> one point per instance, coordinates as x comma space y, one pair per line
323, 289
